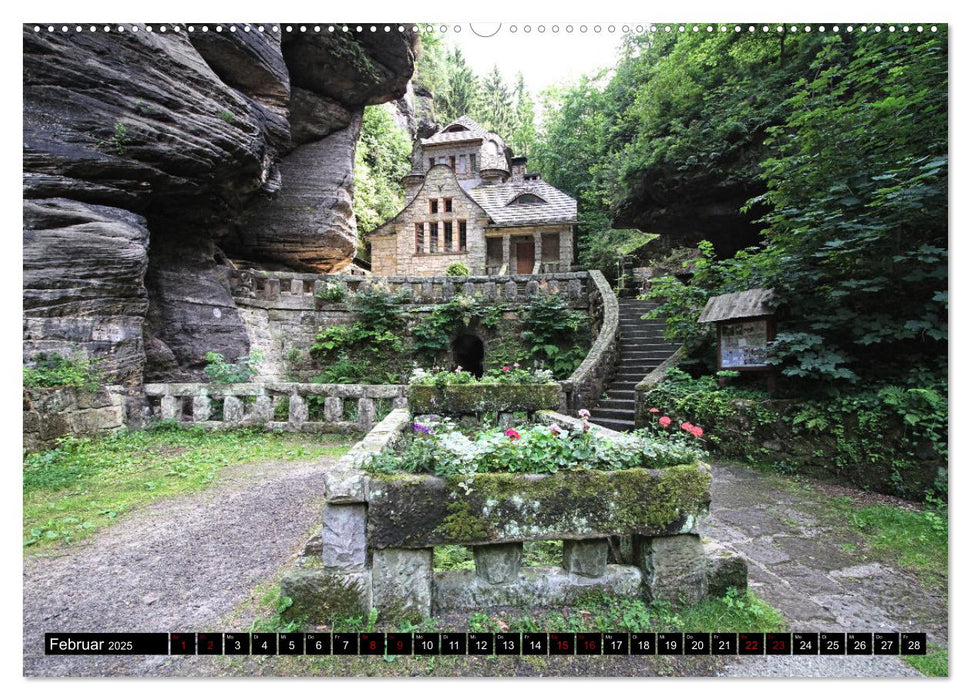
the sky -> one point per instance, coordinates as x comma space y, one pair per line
545, 57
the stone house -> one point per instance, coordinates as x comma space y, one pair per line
469, 200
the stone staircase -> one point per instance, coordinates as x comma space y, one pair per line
642, 348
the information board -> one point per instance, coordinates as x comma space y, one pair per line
744, 344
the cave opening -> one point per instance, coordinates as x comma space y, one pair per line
468, 352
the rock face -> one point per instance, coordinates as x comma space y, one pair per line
145, 153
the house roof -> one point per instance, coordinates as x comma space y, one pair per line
499, 202
472, 131
747, 304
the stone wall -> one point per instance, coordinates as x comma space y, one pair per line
379, 532
53, 413
282, 315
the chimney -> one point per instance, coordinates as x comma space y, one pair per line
518, 168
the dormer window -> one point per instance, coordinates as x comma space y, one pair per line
527, 198
456, 127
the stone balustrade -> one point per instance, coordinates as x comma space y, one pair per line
584, 387
276, 405
299, 290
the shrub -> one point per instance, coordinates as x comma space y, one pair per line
332, 292
53, 370
457, 269
221, 372
556, 335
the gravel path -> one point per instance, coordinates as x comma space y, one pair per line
179, 564
188, 562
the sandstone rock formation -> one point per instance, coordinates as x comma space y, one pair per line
149, 157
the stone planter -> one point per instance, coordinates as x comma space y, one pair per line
379, 534
466, 399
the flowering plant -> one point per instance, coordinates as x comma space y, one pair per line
508, 374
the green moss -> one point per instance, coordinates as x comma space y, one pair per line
461, 524
483, 398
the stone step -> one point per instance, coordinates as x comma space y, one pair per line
612, 414
641, 355
619, 425
619, 404
622, 394
630, 346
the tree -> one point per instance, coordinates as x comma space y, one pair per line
524, 123
496, 113
461, 96
380, 161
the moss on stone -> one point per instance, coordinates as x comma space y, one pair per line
424, 511
458, 399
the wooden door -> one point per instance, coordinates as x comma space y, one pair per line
525, 258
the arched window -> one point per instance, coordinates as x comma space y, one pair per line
455, 127
527, 198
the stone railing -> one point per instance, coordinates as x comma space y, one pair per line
275, 405
586, 384
647, 384
379, 533
298, 290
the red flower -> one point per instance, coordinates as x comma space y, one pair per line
696, 431
686, 426
654, 410
505, 368
512, 434
664, 421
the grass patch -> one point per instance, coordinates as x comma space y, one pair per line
933, 664
84, 484
914, 539
453, 557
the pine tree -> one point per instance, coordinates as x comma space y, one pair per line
496, 111
524, 129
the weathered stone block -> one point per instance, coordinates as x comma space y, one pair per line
232, 409
402, 581
724, 572
346, 485
509, 291
506, 420
674, 567
541, 586
299, 411
271, 292
296, 287
171, 408
263, 409
448, 290
333, 409
532, 289
420, 511
399, 402
367, 412
585, 557
459, 399
489, 291
344, 536
498, 563
320, 595
201, 408
468, 289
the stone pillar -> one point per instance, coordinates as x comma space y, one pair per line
263, 412
468, 289
232, 410
585, 557
427, 291
489, 291
172, 408
333, 409
532, 288
674, 567
318, 286
201, 408
299, 411
506, 421
509, 291
271, 292
366, 413
566, 250
401, 581
506, 253
574, 289
416, 293
296, 286
399, 402
345, 536
448, 289
537, 252
498, 563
